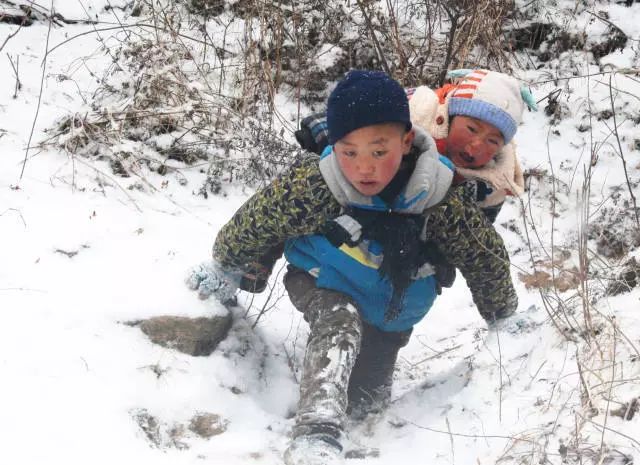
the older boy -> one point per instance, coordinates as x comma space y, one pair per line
360, 225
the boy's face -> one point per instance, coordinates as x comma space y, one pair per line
370, 157
472, 143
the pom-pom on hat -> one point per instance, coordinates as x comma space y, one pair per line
495, 98
364, 98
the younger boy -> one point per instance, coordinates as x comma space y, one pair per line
473, 122
360, 226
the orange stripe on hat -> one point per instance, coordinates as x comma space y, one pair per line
473, 78
467, 86
463, 95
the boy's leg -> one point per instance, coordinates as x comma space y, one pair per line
372, 375
332, 348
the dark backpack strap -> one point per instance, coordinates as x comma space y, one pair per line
313, 134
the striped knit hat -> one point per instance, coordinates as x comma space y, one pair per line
492, 97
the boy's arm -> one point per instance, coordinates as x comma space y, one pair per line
296, 203
468, 240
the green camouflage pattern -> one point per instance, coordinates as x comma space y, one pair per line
298, 202
466, 238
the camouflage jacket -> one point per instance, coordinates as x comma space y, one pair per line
299, 203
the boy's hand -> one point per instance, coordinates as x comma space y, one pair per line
209, 279
505, 310
492, 319
515, 325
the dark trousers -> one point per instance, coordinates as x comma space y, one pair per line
348, 363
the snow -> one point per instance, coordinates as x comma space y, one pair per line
82, 254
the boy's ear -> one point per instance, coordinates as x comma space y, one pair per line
407, 141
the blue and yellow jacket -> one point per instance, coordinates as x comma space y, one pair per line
354, 270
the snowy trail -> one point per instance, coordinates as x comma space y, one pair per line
81, 253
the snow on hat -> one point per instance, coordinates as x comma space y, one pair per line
364, 98
492, 97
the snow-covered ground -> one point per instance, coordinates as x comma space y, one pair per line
81, 254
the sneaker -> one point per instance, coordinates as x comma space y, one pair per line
314, 449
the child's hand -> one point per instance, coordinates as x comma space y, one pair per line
343, 230
209, 279
522, 322
499, 320
515, 325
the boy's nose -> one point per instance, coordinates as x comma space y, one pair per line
366, 168
473, 146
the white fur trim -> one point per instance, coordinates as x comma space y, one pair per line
504, 174
425, 107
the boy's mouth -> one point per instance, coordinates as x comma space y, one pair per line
467, 158
367, 187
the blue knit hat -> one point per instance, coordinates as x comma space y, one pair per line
364, 98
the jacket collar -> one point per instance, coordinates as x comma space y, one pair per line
426, 187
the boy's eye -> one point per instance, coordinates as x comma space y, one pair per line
349, 153
495, 142
379, 153
472, 129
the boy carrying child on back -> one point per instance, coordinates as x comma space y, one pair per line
361, 225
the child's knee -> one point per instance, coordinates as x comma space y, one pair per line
338, 318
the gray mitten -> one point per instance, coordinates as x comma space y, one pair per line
515, 324
209, 279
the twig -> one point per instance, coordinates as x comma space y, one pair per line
501, 387
453, 17
111, 28
606, 21
533, 378
133, 202
436, 355
264, 308
597, 425
583, 382
44, 70
462, 435
291, 364
453, 450
22, 289
624, 161
613, 377
582, 76
127, 33
383, 61
15, 67
10, 36
19, 214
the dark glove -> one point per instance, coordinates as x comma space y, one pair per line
255, 281
445, 275
256, 277
342, 230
